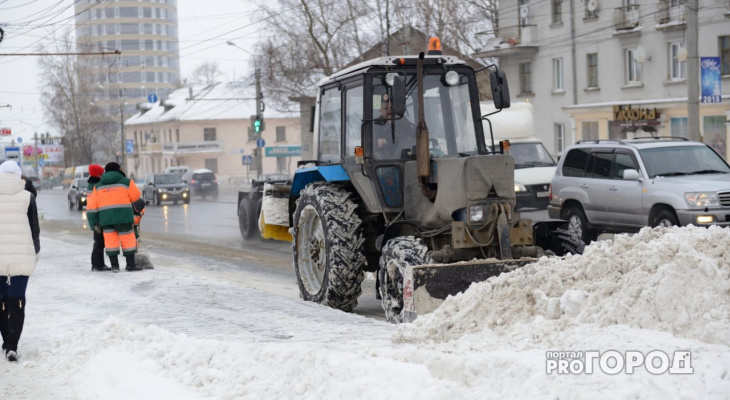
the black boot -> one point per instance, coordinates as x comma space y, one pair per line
114, 260
131, 263
3, 321
16, 318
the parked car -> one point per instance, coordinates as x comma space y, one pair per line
165, 187
77, 193
202, 182
624, 185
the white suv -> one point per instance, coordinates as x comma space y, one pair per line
624, 185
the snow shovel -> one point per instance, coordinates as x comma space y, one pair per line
142, 258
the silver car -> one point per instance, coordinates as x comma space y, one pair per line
624, 185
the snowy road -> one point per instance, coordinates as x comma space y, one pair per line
219, 323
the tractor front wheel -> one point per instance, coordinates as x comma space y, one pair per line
327, 246
398, 253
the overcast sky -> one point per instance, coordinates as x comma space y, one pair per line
204, 28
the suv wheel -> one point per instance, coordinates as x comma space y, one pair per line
578, 224
664, 218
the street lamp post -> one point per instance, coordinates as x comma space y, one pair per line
258, 156
124, 141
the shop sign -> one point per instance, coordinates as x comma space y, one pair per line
628, 114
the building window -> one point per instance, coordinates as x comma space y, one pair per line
677, 68
592, 61
678, 126
589, 130
209, 134
558, 74
280, 133
212, 164
557, 10
633, 67
282, 166
713, 130
559, 137
177, 135
724, 44
524, 12
526, 77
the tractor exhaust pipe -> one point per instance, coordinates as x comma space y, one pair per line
423, 155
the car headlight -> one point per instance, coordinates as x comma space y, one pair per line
702, 199
162, 190
476, 213
520, 187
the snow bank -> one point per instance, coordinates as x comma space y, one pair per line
675, 280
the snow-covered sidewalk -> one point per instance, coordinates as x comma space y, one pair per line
178, 333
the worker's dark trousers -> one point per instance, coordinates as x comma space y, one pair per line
97, 254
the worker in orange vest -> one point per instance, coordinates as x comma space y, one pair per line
112, 200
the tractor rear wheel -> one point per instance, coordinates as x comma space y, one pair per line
327, 246
247, 220
398, 253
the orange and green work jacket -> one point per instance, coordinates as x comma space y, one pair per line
111, 201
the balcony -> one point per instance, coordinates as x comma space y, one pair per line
626, 18
520, 42
193, 147
671, 13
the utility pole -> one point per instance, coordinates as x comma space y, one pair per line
124, 147
258, 159
35, 150
693, 65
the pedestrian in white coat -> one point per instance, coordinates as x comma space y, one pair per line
19, 248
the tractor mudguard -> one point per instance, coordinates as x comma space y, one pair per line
327, 173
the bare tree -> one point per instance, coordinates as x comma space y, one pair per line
67, 86
311, 39
206, 73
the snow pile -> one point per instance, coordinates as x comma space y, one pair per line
675, 280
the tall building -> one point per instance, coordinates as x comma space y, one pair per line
613, 69
145, 32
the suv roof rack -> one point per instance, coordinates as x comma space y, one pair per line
661, 138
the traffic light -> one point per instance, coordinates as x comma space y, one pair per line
257, 124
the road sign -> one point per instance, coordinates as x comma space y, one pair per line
283, 151
13, 153
130, 146
20, 139
41, 162
152, 98
246, 160
260, 143
5, 131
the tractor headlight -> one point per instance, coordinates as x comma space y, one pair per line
452, 78
520, 187
702, 199
477, 213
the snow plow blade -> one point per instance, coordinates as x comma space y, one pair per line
425, 287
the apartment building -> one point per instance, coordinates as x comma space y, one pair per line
611, 69
145, 31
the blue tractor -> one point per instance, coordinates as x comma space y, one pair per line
406, 185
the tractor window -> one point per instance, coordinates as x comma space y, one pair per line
330, 126
447, 112
353, 119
